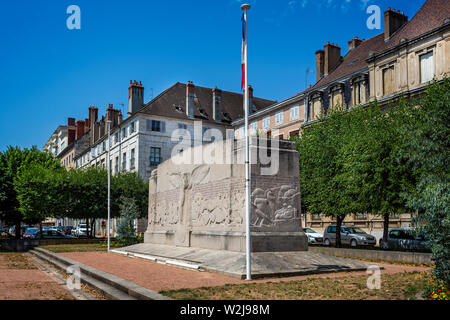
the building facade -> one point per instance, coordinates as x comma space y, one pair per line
401, 61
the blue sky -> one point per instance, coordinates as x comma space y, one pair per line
49, 73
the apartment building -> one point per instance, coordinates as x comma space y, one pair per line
280, 120
57, 141
145, 139
401, 61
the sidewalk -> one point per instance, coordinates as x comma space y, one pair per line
159, 277
20, 279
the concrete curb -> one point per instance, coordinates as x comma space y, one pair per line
133, 290
418, 258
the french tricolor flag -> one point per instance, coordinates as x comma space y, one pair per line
244, 44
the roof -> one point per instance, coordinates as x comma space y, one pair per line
172, 103
429, 17
354, 60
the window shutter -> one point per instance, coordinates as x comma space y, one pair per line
163, 126
427, 67
149, 125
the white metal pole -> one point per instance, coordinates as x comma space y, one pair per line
245, 8
109, 181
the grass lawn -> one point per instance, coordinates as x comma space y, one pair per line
403, 286
81, 247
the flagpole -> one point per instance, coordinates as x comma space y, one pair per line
245, 8
109, 182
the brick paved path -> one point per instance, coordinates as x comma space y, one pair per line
159, 277
20, 279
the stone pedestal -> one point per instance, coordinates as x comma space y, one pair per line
203, 205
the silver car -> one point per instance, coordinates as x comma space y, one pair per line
352, 236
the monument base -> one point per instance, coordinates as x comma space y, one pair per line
232, 263
234, 241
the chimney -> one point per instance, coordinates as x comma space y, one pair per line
93, 115
190, 99
320, 63
79, 130
352, 44
71, 122
87, 125
70, 135
393, 20
332, 57
110, 114
217, 104
135, 97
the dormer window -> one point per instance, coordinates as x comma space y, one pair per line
359, 89
178, 108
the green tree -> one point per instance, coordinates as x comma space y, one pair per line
38, 192
324, 187
11, 162
427, 154
371, 166
129, 212
130, 185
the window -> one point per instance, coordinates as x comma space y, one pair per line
132, 159
156, 125
155, 156
116, 167
388, 80
124, 161
133, 127
242, 131
294, 112
279, 118
361, 216
331, 229
254, 127
426, 67
182, 126
358, 93
124, 132
266, 122
116, 137
294, 134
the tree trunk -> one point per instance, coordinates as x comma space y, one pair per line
385, 226
18, 230
93, 228
40, 230
338, 231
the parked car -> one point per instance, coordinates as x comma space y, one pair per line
313, 235
80, 231
12, 230
352, 236
31, 233
4, 232
67, 230
402, 238
51, 234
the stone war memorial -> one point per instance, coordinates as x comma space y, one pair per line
196, 215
